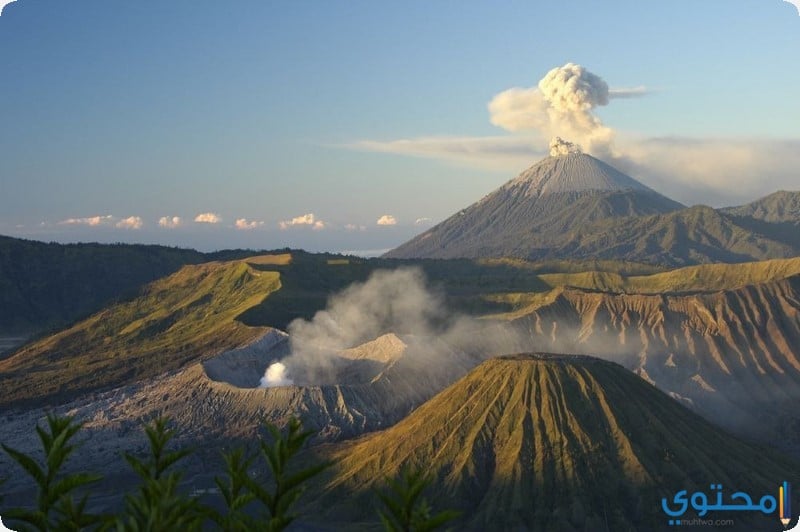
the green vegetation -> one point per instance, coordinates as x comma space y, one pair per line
51, 285
406, 509
159, 505
56, 507
182, 318
288, 485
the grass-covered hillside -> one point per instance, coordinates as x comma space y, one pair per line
181, 318
48, 285
538, 442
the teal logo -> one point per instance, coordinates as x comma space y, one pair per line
739, 501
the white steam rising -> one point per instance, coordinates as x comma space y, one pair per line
396, 301
275, 376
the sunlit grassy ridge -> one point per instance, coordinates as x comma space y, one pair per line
51, 285
554, 443
706, 277
181, 318
691, 279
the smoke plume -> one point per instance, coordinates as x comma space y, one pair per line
561, 105
559, 146
397, 301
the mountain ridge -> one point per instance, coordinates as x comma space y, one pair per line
576, 207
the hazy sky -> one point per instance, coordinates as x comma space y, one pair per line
331, 116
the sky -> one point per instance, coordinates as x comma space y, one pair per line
352, 126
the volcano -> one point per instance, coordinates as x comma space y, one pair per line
572, 206
556, 196
555, 442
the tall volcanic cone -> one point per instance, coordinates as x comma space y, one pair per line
531, 213
544, 442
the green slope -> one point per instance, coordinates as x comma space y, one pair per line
50, 285
533, 442
185, 317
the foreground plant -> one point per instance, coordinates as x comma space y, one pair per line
288, 484
235, 494
157, 505
56, 506
406, 510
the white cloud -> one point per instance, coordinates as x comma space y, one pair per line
714, 171
4, 3
92, 221
355, 227
387, 219
245, 225
307, 220
131, 222
505, 153
422, 221
629, 92
170, 222
208, 218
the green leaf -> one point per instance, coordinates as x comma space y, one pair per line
28, 464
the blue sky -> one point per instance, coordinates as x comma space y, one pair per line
118, 114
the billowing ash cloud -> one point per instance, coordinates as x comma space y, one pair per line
170, 222
208, 218
306, 220
559, 146
131, 222
561, 105
387, 219
390, 301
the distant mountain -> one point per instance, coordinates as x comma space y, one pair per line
776, 215
574, 206
695, 235
531, 213
542, 442
781, 206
